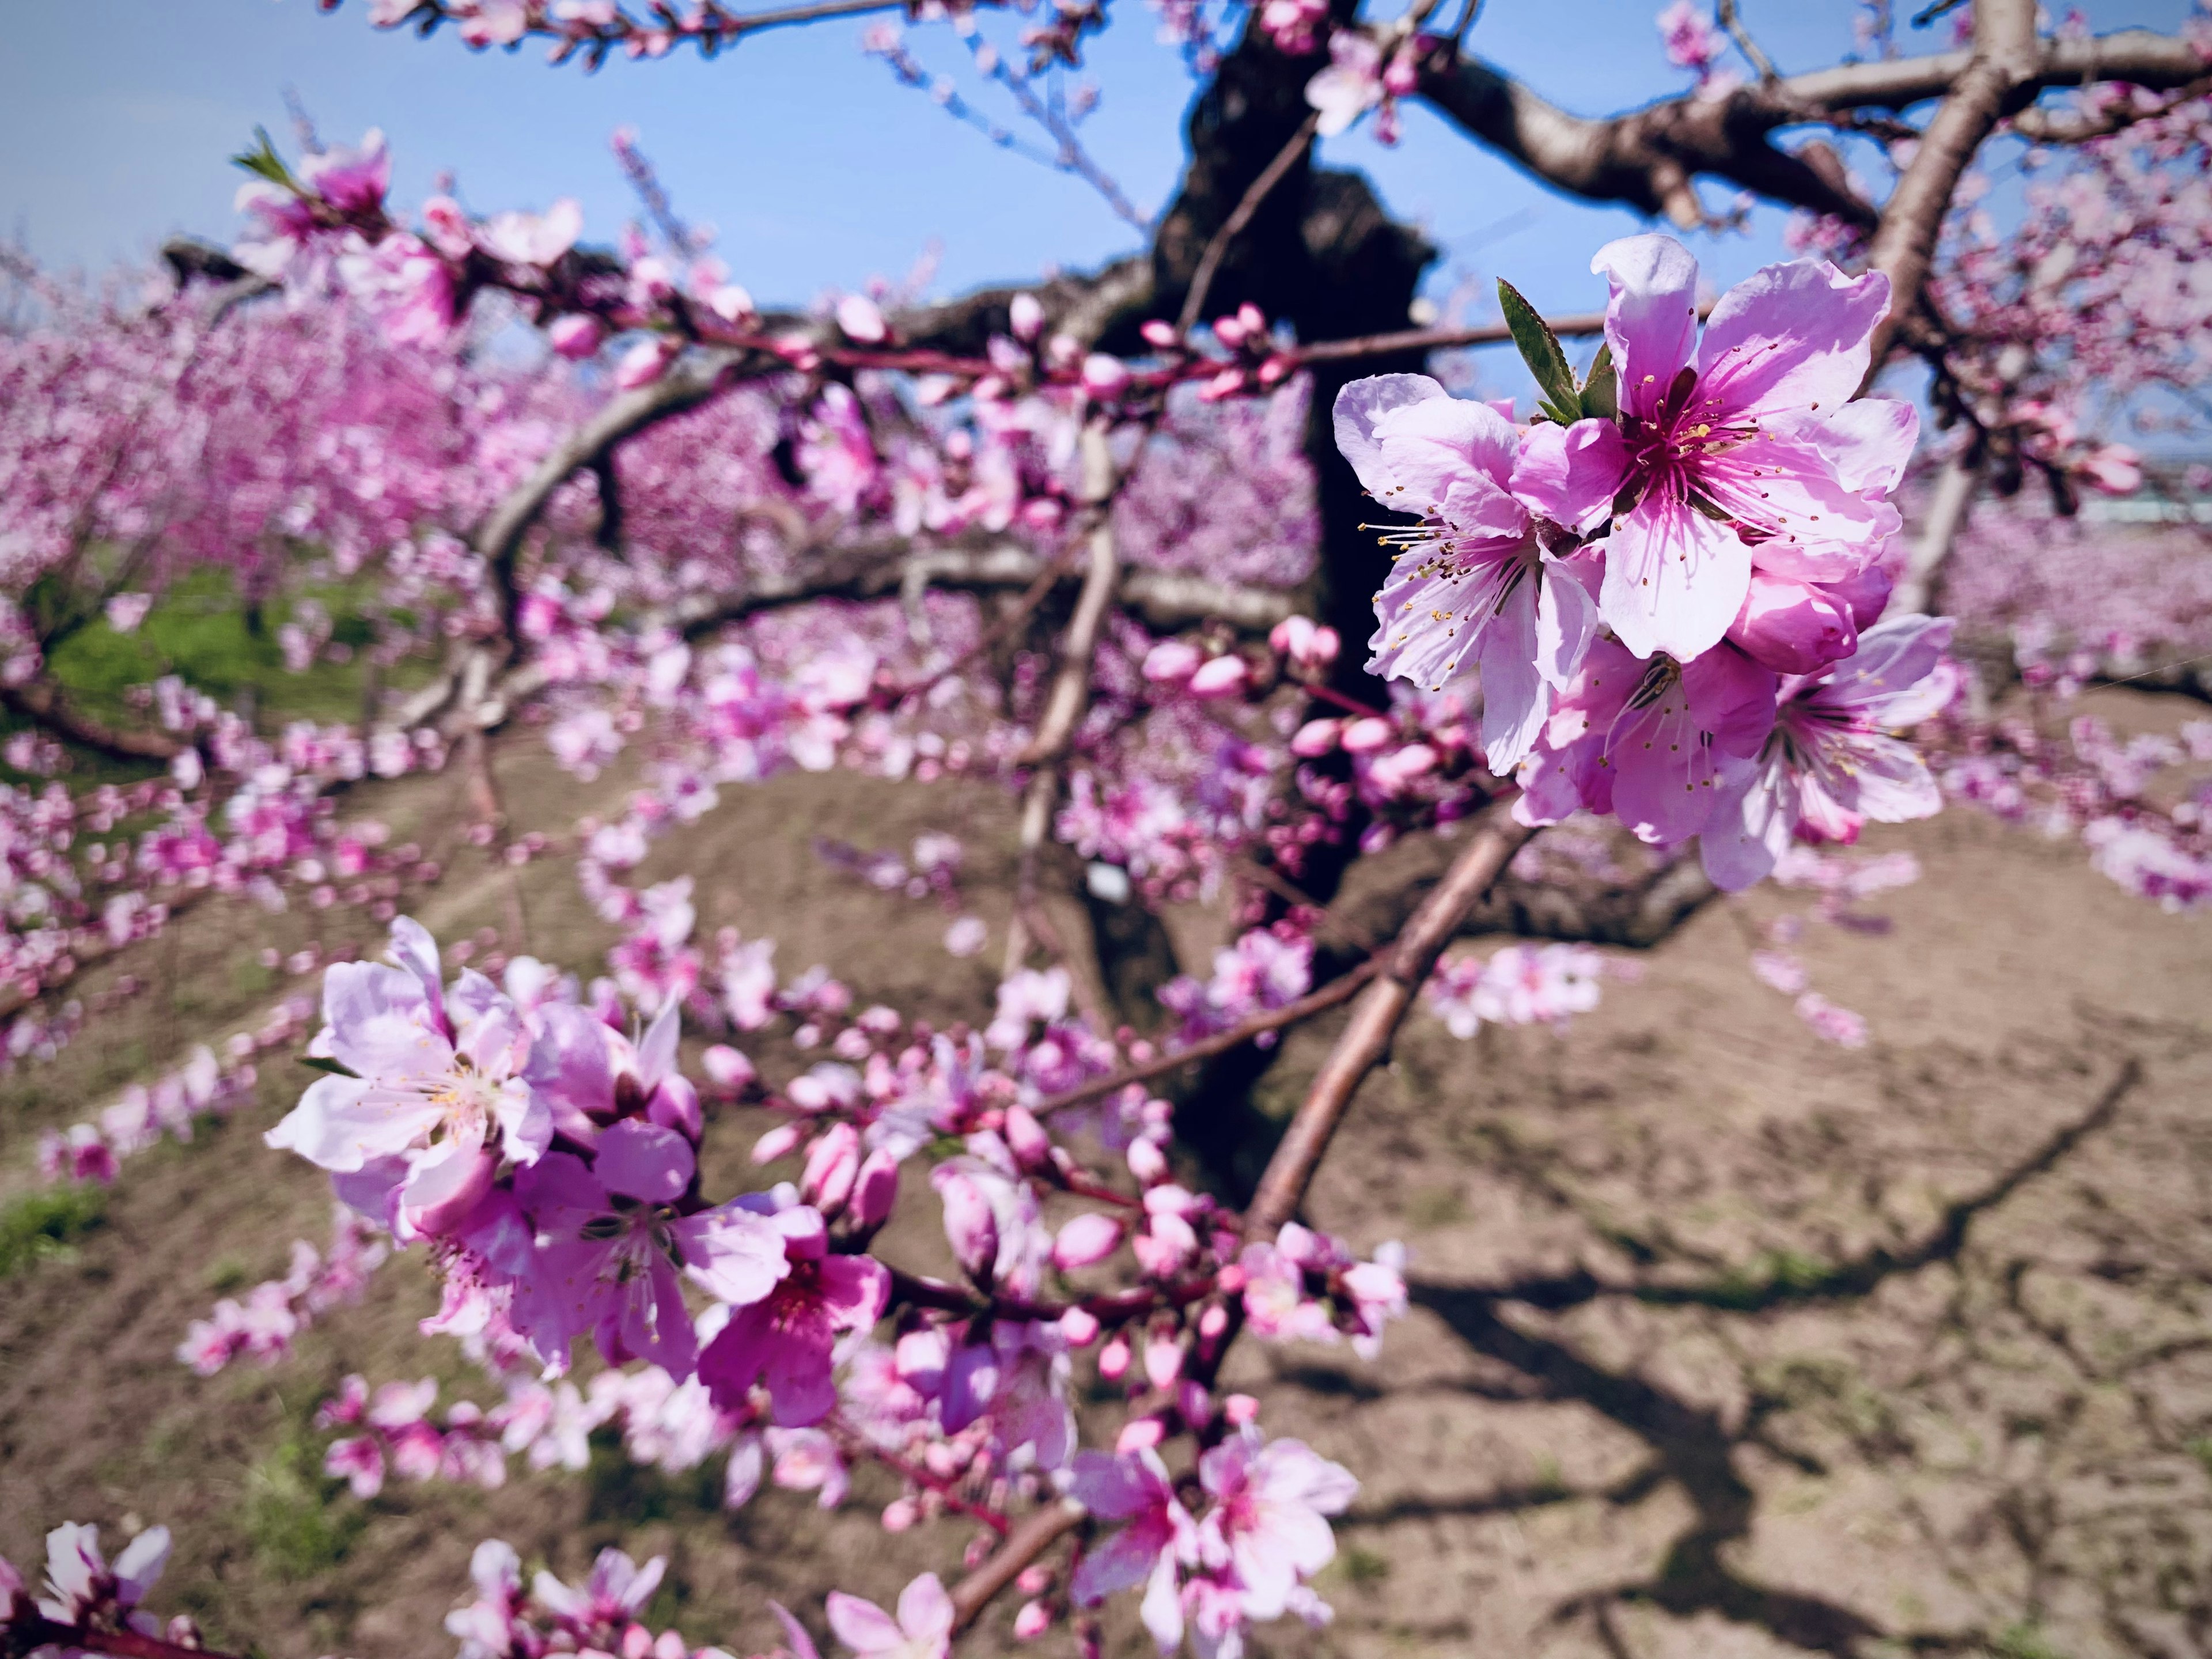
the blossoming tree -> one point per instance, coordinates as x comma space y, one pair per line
1666, 597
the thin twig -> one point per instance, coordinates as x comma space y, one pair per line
1725, 11
1201, 282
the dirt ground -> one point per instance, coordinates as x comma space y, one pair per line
1728, 1341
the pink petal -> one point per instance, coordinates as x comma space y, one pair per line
862, 1625
1570, 474
925, 1611
1651, 320
1790, 339
1674, 579
1359, 406
644, 1161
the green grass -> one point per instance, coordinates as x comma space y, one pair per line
201, 630
292, 1514
43, 1225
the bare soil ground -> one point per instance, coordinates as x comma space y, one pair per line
1727, 1342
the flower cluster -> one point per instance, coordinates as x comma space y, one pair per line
1669, 586
262, 1325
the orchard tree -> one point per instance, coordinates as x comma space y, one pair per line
1050, 536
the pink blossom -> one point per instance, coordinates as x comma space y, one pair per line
533, 239
1157, 1538
436, 1083
788, 1339
1475, 582
611, 1241
1831, 762
1728, 460
1270, 1523
1351, 85
83, 1588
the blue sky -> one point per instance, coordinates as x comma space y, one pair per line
116, 117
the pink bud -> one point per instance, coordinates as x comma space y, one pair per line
1251, 318
1196, 1404
1213, 1321
901, 1514
1114, 1359
1080, 1327
1290, 637
1170, 662
1230, 330
1025, 317
777, 1142
669, 1645
832, 1168
643, 363
876, 1190
1147, 1162
1026, 1138
727, 1068
1221, 677
1035, 1580
1104, 376
1032, 1622
1238, 1409
1163, 1360
859, 318
1792, 626
1316, 738
575, 337
1087, 1239
1159, 334
731, 303
675, 1105
1140, 1434
450, 1211
1365, 737
971, 1226
636, 1642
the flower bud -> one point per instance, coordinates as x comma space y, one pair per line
1025, 317
1365, 737
575, 337
1171, 662
777, 1142
1147, 1162
1086, 1240
1026, 1138
1140, 1434
971, 1226
1316, 738
1035, 1580
675, 1105
1158, 334
831, 1167
1032, 1622
1238, 1409
447, 1213
876, 1190
644, 363
1080, 1327
1114, 1359
858, 316
1163, 1360
1104, 376
1222, 677
727, 1069
1196, 1404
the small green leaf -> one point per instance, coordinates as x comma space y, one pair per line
325, 1063
1539, 350
1601, 389
265, 163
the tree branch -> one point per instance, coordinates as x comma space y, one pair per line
39, 700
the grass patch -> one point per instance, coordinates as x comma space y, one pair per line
291, 1515
46, 1225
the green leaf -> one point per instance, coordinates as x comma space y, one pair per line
265, 163
1539, 350
1601, 389
324, 1063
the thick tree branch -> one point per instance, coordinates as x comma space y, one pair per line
40, 702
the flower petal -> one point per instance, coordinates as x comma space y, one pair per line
1571, 474
1673, 579
1651, 319
1789, 338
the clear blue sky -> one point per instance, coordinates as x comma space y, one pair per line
116, 117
